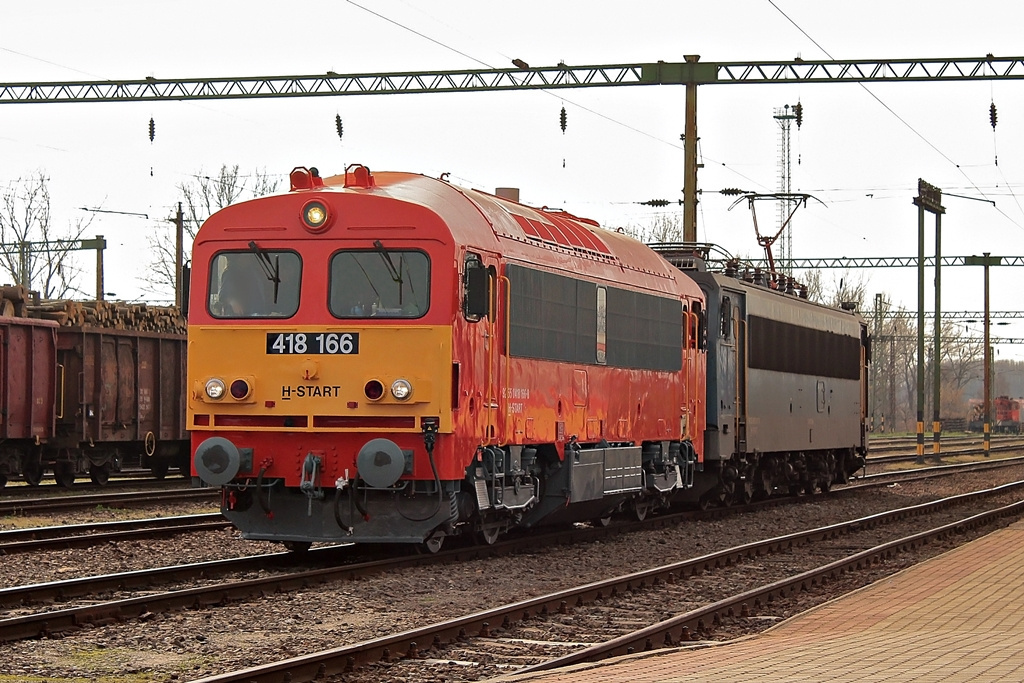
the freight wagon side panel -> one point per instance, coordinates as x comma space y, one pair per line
122, 386
161, 378
28, 376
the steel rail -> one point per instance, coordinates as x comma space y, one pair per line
87, 535
54, 622
689, 626
411, 644
132, 498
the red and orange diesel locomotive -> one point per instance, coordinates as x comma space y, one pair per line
386, 357
391, 358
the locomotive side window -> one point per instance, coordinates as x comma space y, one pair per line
381, 283
258, 283
702, 325
726, 317
560, 318
476, 297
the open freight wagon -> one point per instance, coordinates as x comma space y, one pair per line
90, 400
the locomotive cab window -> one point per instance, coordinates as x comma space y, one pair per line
258, 283
379, 283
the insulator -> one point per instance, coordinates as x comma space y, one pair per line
337, 124
731, 191
656, 202
992, 114
152, 129
562, 119
798, 109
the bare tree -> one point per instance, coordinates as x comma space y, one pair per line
34, 253
844, 288
664, 227
200, 198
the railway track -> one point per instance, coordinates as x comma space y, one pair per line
52, 489
937, 470
328, 564
621, 615
85, 535
906, 443
21, 506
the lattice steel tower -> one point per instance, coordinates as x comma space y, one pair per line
785, 118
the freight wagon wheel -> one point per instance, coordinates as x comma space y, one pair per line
100, 474
64, 474
159, 468
297, 546
32, 473
3, 480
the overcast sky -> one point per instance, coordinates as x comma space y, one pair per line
860, 150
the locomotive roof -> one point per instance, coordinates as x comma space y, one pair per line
547, 236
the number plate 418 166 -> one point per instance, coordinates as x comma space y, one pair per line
342, 343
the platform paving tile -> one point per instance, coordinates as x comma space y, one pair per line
956, 617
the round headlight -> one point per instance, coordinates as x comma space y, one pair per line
314, 215
215, 388
239, 389
401, 389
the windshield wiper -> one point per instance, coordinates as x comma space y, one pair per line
386, 256
272, 269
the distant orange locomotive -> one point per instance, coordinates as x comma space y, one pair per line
390, 358
386, 357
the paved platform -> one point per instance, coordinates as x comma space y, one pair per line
956, 617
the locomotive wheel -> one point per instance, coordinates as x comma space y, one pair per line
743, 495
603, 521
434, 543
640, 509
64, 474
297, 546
488, 535
100, 474
32, 473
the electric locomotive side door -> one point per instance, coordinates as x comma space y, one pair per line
726, 377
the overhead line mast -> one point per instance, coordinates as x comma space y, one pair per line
690, 73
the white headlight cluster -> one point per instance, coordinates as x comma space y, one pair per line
401, 389
215, 388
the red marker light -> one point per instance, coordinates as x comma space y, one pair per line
239, 389
373, 389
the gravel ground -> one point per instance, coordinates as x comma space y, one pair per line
180, 646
